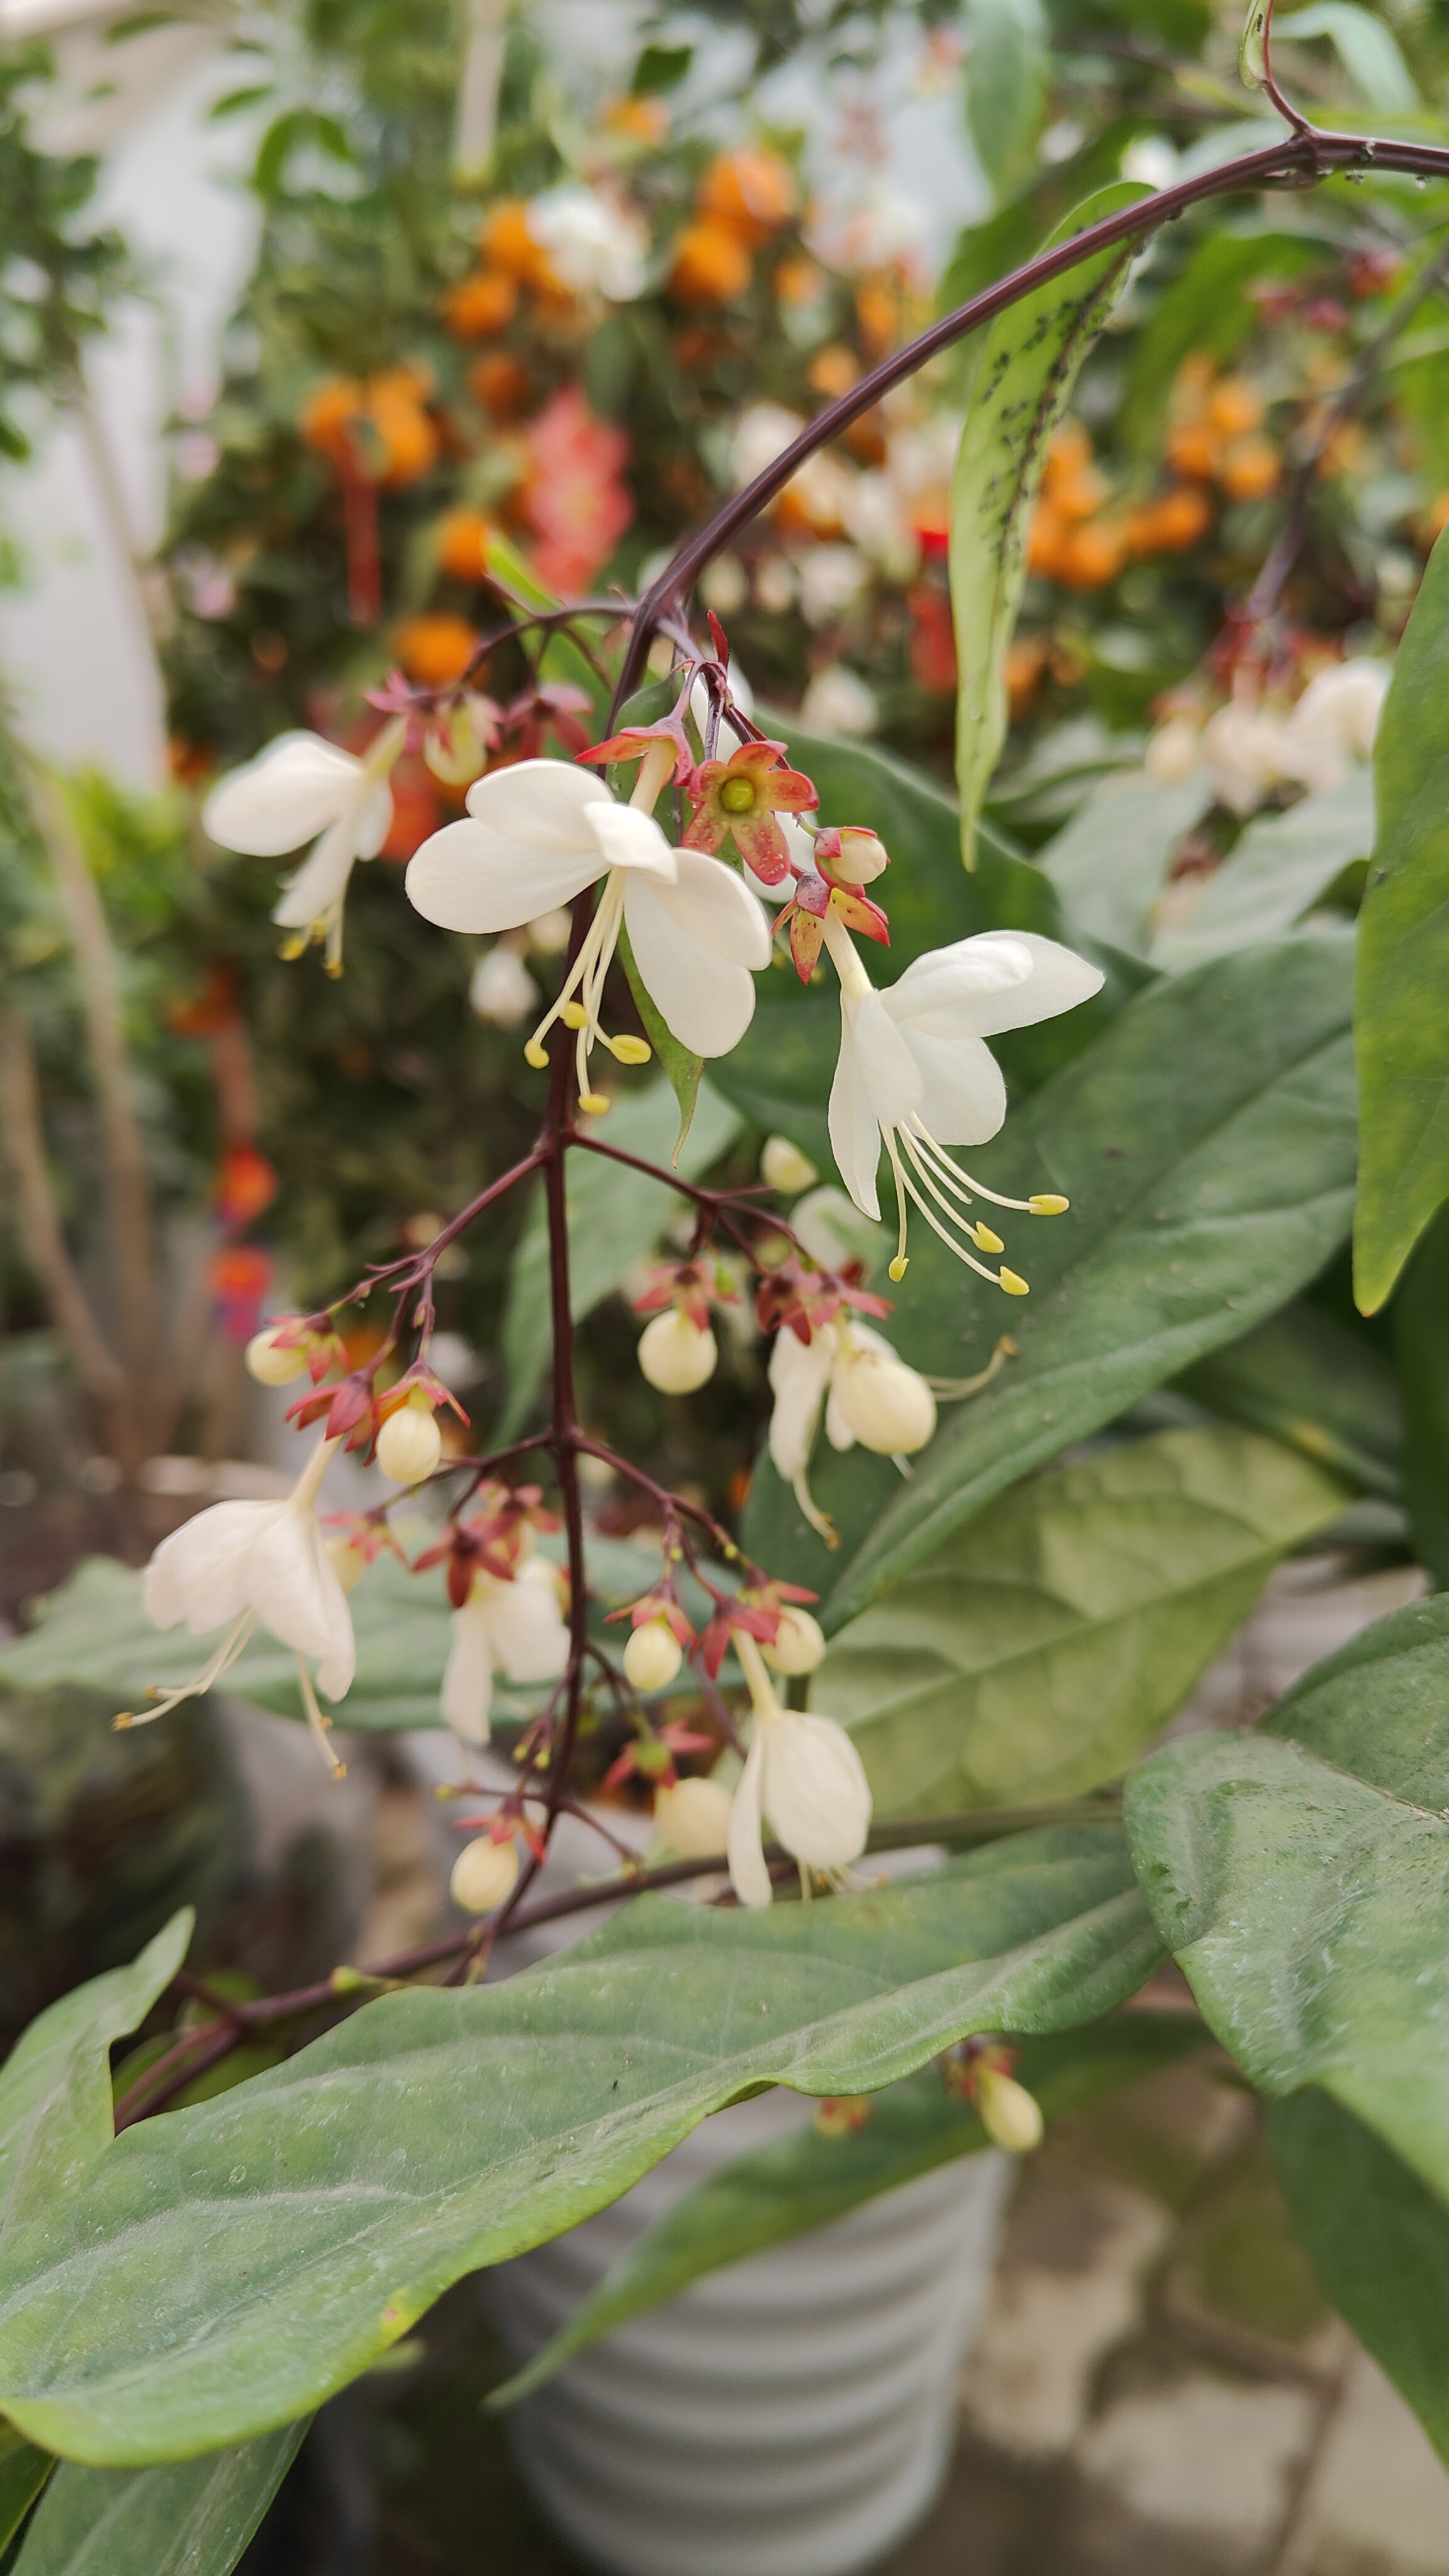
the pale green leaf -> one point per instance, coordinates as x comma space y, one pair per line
23, 2472
1421, 1353
1314, 1385
1364, 44
190, 2518
1252, 46
1005, 85
1282, 866
1109, 864
55, 2087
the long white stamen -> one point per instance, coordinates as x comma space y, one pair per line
934, 1180
934, 1222
940, 1155
319, 1725
218, 1662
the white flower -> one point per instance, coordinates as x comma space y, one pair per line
1172, 754
869, 1395
831, 581
915, 1072
247, 1564
1335, 722
1151, 161
803, 1781
1248, 753
298, 788
517, 1625
536, 835
762, 433
502, 989
595, 245
837, 701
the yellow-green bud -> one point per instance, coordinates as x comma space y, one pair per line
410, 1442
784, 1167
273, 1363
653, 1655
484, 1873
1009, 2114
799, 1643
675, 1355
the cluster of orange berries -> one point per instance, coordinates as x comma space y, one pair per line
1078, 539
374, 429
1215, 432
744, 199
513, 265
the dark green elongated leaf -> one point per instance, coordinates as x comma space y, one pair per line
1005, 85
1301, 1875
1109, 864
23, 2472
1038, 1651
1378, 2241
1421, 1354
1206, 307
1401, 1029
1310, 1383
223, 2269
55, 2090
190, 2518
1207, 1146
1024, 378
803, 2181
1282, 866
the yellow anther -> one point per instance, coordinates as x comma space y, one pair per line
984, 1239
595, 1102
536, 1055
291, 949
899, 1266
1014, 1287
1048, 1203
632, 1050
574, 1016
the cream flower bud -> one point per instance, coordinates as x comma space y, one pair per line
784, 1167
694, 1817
799, 1643
675, 1355
1009, 2114
887, 1406
410, 1442
502, 990
653, 1655
273, 1363
484, 1873
852, 856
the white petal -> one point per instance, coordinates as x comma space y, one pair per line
854, 1127
837, 1430
632, 840
200, 1573
816, 1795
469, 877
1002, 979
374, 818
541, 805
963, 1098
316, 886
749, 1877
286, 796
887, 1067
295, 1592
799, 1374
526, 1624
468, 1678
716, 908
704, 1001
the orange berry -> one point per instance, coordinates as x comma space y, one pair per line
507, 244
407, 436
1091, 555
1236, 406
1182, 518
711, 264
1046, 538
799, 281
1080, 495
480, 304
1251, 468
500, 385
1436, 517
642, 120
751, 191
1193, 448
1069, 453
1344, 450
435, 650
462, 542
328, 419
878, 313
1192, 387
1026, 660
833, 370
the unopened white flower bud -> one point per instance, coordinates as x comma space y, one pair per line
888, 1406
274, 1363
799, 1643
694, 1817
484, 1873
784, 1167
675, 1355
502, 990
852, 855
1009, 2114
410, 1442
1172, 752
653, 1655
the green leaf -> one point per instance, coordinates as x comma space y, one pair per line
223, 2269
23, 2472
190, 2518
1109, 864
1301, 1875
1207, 1144
1005, 85
1318, 1388
659, 68
803, 2181
55, 2087
1366, 47
1035, 1654
1421, 1353
616, 1216
1024, 380
1400, 1025
1378, 2242
683, 1069
984, 252
293, 132
1253, 46
1281, 867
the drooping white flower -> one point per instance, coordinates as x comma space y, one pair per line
916, 1074
594, 244
244, 1565
1335, 721
1247, 752
803, 1782
298, 788
868, 1394
518, 1626
536, 835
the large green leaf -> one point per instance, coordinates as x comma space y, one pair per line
1378, 2241
1301, 1875
1038, 1651
223, 2269
1109, 864
23, 2472
616, 1216
1366, 47
1005, 85
191, 2518
1281, 867
1024, 378
55, 2087
805, 2180
1421, 1352
1401, 1027
1207, 1146
1309, 1382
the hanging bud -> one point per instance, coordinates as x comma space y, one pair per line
1009, 2114
783, 1166
484, 1874
272, 1362
653, 1655
798, 1645
851, 856
694, 1817
410, 1443
502, 990
887, 1406
676, 1355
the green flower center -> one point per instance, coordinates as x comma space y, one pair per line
737, 796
